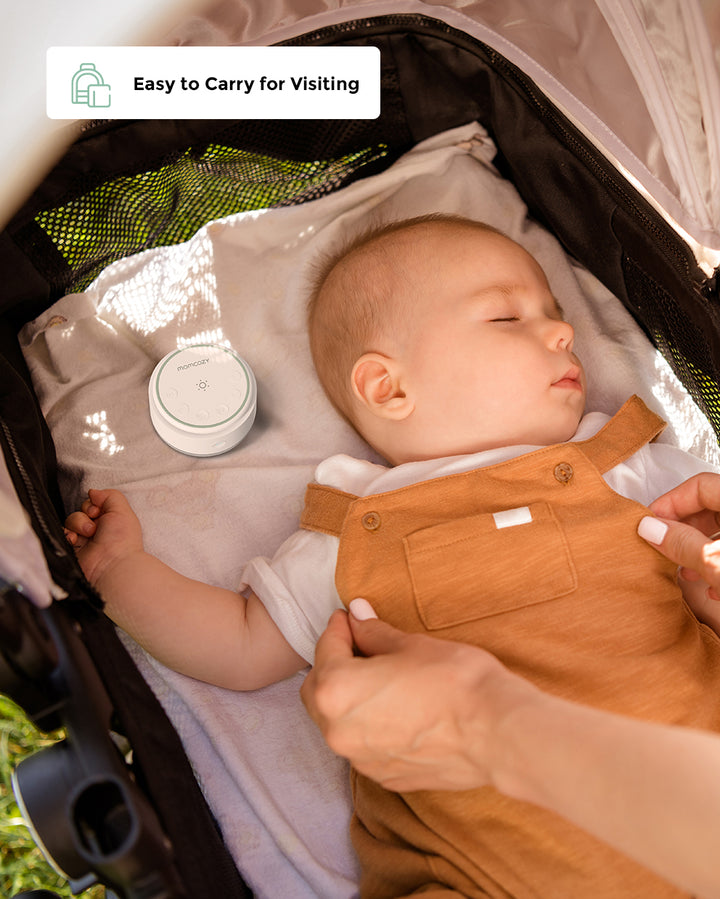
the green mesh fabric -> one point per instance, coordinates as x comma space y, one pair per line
684, 344
168, 205
701, 385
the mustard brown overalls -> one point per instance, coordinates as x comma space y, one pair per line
538, 561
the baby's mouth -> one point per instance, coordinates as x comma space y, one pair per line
570, 380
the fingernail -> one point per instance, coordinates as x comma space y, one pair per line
361, 609
653, 530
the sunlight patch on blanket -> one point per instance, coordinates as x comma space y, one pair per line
100, 432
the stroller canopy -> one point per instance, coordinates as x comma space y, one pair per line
638, 77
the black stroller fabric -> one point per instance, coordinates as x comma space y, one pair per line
197, 862
127, 186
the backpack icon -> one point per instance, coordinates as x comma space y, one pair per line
88, 86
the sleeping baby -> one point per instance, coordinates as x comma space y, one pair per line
506, 517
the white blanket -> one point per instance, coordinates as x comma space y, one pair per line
281, 798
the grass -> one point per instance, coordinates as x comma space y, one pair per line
22, 866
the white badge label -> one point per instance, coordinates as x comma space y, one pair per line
213, 82
509, 518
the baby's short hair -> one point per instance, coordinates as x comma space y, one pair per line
354, 300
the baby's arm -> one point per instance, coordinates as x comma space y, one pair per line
206, 632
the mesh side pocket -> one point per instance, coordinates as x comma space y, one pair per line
168, 205
691, 350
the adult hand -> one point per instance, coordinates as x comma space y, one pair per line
687, 522
411, 712
422, 713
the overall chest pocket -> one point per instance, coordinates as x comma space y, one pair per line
487, 564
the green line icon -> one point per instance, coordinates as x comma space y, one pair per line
88, 86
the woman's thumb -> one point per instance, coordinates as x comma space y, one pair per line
372, 636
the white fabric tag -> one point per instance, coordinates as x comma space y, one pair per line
511, 517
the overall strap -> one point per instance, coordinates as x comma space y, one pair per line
325, 509
631, 428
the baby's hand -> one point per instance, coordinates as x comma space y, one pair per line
102, 532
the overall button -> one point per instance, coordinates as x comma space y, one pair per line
371, 521
563, 472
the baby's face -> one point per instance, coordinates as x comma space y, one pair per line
489, 358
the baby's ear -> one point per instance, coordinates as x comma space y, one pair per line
377, 383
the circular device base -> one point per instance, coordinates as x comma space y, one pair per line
202, 399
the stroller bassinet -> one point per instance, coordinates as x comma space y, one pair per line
117, 800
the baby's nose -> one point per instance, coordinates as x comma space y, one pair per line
561, 334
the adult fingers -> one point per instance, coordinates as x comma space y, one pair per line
697, 500
336, 643
374, 637
685, 545
334, 650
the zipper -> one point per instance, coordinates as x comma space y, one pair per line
32, 496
